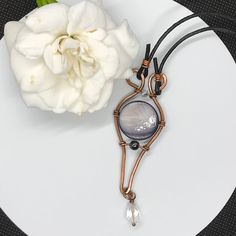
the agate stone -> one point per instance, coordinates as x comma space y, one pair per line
138, 120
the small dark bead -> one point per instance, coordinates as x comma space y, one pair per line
134, 145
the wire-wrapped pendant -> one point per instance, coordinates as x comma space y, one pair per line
138, 120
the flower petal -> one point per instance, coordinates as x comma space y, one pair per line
110, 63
51, 18
85, 16
97, 2
32, 75
61, 97
58, 63
11, 30
33, 100
70, 44
32, 45
107, 57
98, 34
79, 107
110, 24
92, 88
104, 98
84, 69
125, 42
127, 39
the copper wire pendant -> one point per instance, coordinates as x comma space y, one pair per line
148, 138
155, 83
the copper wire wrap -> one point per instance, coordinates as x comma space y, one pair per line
127, 191
159, 77
146, 64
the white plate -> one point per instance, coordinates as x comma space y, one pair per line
59, 174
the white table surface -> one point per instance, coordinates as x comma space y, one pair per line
59, 174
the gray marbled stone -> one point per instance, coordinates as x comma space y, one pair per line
138, 120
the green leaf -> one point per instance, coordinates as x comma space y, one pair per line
41, 3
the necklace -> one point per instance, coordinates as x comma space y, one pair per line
139, 118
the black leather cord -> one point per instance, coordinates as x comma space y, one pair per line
183, 20
151, 54
196, 32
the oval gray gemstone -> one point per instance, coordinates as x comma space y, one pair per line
138, 120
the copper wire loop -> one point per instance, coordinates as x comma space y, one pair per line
127, 191
160, 77
137, 88
131, 196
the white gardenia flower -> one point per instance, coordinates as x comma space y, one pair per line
66, 58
